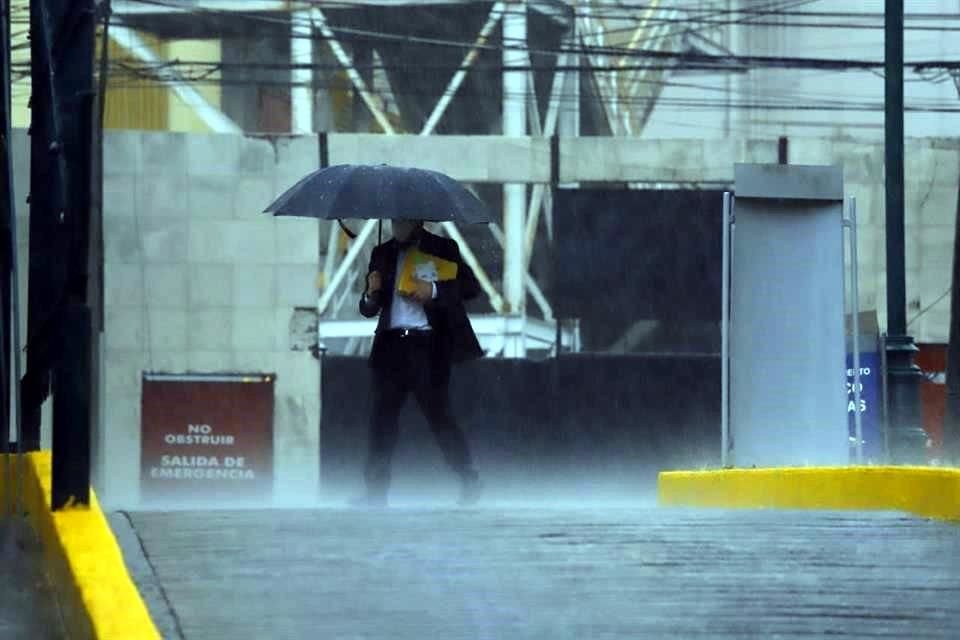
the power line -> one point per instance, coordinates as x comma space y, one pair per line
205, 73
691, 61
687, 104
717, 61
704, 17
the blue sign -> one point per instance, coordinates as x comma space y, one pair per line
870, 407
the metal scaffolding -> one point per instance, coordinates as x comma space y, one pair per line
626, 98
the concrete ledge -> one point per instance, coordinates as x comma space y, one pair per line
924, 491
86, 567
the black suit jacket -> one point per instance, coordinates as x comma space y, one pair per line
455, 339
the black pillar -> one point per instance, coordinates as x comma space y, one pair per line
906, 436
951, 419
59, 322
7, 239
71, 411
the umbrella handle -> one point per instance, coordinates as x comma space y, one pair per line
346, 230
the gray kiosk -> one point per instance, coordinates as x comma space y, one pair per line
784, 352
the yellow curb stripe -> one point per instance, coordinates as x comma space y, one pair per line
97, 596
925, 491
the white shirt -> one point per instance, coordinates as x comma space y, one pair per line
404, 313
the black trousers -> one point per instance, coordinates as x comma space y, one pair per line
410, 364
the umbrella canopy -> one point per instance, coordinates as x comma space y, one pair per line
380, 192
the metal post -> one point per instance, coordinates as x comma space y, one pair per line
951, 418
63, 39
496, 300
15, 320
514, 195
540, 191
10, 320
532, 287
331, 287
725, 334
855, 306
907, 438
885, 396
301, 78
71, 413
320, 20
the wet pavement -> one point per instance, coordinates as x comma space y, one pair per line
28, 608
521, 573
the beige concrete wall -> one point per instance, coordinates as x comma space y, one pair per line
197, 279
932, 176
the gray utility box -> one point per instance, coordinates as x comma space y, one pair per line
785, 389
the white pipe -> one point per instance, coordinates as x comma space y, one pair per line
301, 91
353, 276
538, 198
514, 124
138, 7
496, 300
568, 116
137, 46
638, 33
495, 14
556, 90
532, 287
330, 260
355, 78
344, 266
725, 334
533, 219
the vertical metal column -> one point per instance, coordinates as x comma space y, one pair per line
951, 419
907, 438
851, 223
514, 195
301, 77
62, 69
9, 290
725, 334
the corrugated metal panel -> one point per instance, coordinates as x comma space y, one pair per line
134, 102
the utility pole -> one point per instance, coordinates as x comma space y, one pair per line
906, 437
59, 347
9, 281
951, 417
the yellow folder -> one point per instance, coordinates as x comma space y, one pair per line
425, 267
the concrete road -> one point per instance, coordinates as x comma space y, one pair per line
28, 609
517, 573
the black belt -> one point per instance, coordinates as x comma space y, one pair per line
410, 333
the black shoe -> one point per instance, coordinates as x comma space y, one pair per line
470, 489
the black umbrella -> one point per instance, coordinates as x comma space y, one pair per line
380, 192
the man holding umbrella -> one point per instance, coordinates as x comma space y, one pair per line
417, 283
423, 329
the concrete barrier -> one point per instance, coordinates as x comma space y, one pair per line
929, 492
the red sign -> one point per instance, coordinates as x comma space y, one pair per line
932, 360
206, 437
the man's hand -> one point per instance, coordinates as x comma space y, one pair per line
422, 291
374, 282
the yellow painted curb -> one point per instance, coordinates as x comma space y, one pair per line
925, 491
96, 594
